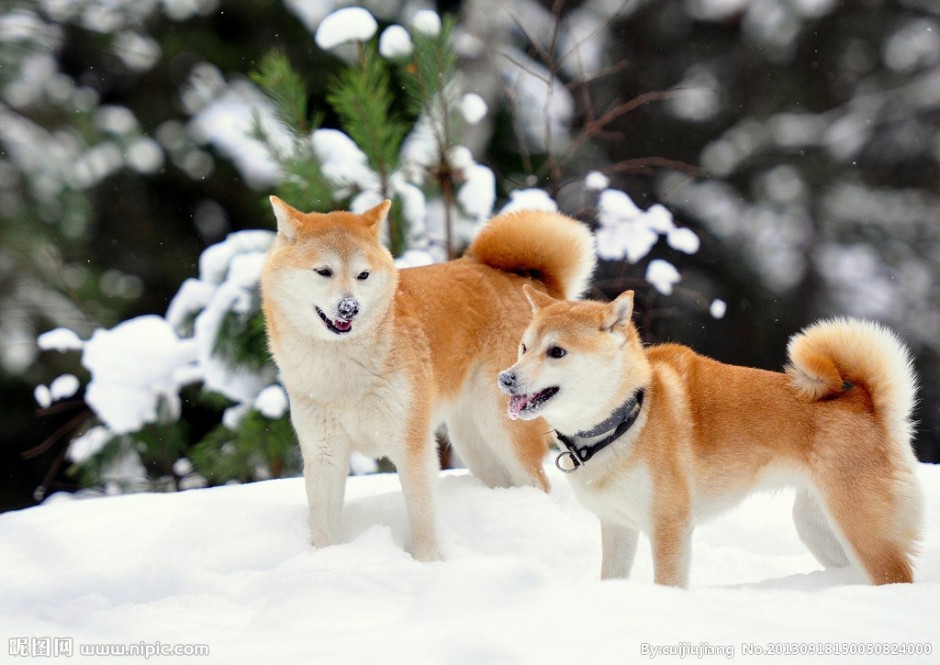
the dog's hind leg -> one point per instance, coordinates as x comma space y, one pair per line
474, 450
876, 519
529, 449
671, 539
814, 530
498, 451
618, 549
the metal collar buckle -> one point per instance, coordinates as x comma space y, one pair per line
573, 460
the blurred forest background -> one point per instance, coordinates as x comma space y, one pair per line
799, 139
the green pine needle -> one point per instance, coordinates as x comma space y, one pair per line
242, 340
432, 68
361, 96
303, 185
225, 455
286, 88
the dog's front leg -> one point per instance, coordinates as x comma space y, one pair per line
418, 467
618, 547
325, 480
672, 542
325, 452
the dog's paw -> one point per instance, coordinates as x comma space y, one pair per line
427, 552
320, 540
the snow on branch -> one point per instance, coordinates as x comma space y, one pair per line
350, 24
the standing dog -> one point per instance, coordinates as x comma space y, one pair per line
375, 358
658, 439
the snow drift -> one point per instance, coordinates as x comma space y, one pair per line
231, 568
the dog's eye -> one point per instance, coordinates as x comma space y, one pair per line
557, 352
523, 349
324, 272
363, 276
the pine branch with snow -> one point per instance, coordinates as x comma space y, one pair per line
287, 90
430, 71
242, 340
303, 183
428, 78
256, 448
362, 96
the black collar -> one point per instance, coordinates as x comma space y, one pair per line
617, 424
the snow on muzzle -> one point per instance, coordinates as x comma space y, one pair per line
347, 310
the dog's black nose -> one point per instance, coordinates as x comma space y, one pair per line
348, 308
507, 379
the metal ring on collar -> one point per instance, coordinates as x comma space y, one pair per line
574, 462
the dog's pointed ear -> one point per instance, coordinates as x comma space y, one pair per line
373, 217
288, 219
619, 312
537, 299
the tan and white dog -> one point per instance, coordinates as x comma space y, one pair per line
375, 358
658, 439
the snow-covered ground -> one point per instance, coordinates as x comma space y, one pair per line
231, 568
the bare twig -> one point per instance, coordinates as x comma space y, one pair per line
55, 437
647, 164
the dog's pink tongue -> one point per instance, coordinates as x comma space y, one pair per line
339, 324
516, 405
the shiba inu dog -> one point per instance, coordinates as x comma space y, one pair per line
658, 439
374, 358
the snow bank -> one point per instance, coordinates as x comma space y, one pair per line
231, 568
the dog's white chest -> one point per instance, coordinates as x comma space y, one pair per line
371, 423
623, 497
332, 373
347, 395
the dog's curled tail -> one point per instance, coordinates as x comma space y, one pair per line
830, 356
548, 246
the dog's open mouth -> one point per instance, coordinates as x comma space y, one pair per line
526, 406
337, 326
